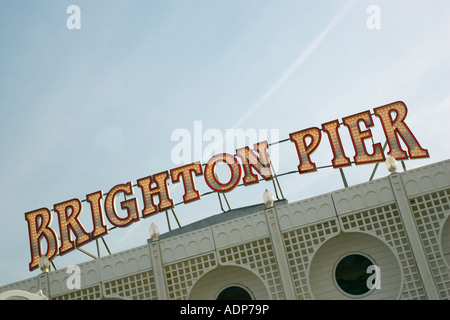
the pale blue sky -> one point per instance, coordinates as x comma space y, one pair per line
85, 110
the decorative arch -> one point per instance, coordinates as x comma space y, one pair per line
321, 271
212, 283
22, 295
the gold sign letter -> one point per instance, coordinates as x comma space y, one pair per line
190, 193
210, 172
358, 137
94, 200
70, 220
39, 226
340, 159
305, 149
250, 160
129, 205
394, 128
161, 190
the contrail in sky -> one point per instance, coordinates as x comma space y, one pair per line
286, 75
297, 63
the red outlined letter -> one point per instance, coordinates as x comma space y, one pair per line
161, 190
250, 160
39, 226
70, 221
100, 228
210, 173
358, 137
340, 159
395, 128
190, 193
129, 205
304, 149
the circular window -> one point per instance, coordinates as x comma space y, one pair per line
351, 274
234, 293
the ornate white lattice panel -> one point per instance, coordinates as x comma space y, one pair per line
430, 214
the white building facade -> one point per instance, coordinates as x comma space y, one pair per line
385, 239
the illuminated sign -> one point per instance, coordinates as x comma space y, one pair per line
251, 164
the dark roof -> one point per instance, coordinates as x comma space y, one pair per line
218, 218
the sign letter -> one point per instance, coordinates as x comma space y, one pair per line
39, 226
161, 190
358, 137
250, 160
129, 205
94, 200
304, 149
190, 193
394, 128
67, 221
210, 173
340, 159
